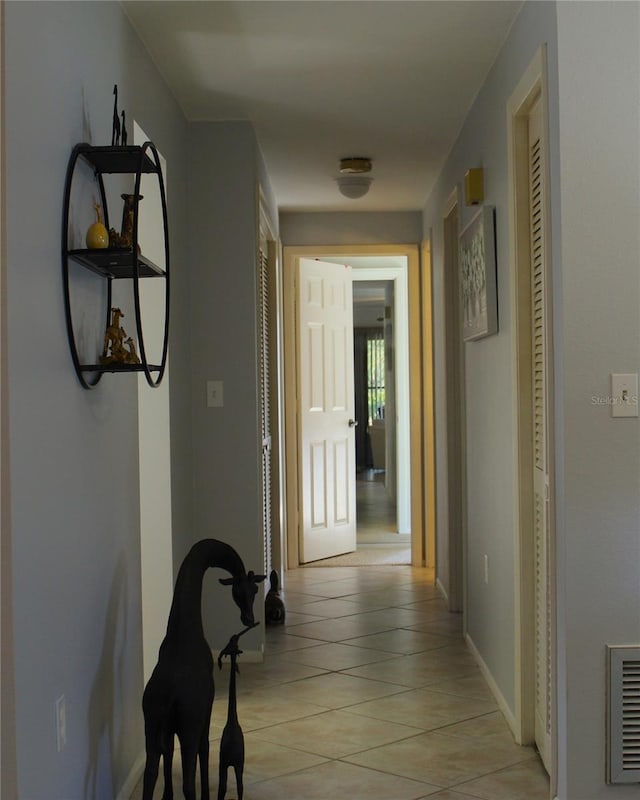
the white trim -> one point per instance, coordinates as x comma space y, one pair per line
493, 686
429, 496
451, 202
8, 771
454, 473
442, 590
133, 778
531, 86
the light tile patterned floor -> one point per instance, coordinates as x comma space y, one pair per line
368, 692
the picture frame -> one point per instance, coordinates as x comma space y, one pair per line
477, 270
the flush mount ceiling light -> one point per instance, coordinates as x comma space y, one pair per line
354, 186
352, 182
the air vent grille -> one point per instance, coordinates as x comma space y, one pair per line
623, 762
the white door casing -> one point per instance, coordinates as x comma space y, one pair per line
539, 399
154, 436
326, 433
531, 298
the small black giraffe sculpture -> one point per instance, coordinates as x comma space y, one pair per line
232, 742
178, 698
115, 131
123, 131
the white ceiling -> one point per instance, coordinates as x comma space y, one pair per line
325, 79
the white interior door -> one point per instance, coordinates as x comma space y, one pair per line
541, 478
326, 438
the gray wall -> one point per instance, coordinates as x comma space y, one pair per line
488, 381
348, 228
598, 332
593, 56
74, 471
224, 167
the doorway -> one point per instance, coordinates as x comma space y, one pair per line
368, 264
374, 392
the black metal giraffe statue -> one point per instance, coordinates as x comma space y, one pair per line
232, 742
178, 698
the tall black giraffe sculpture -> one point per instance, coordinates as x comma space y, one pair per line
178, 698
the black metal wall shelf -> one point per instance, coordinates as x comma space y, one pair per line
116, 263
119, 159
101, 368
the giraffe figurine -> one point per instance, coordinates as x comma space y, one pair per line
232, 742
115, 129
178, 698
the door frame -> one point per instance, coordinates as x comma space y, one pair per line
154, 451
429, 503
455, 414
532, 86
291, 412
8, 759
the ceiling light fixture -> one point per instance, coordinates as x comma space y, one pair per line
355, 164
352, 183
354, 187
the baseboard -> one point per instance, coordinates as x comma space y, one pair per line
132, 778
493, 686
442, 591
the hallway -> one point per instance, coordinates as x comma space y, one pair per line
369, 691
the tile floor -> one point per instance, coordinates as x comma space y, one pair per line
368, 692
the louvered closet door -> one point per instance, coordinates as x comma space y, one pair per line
541, 491
265, 402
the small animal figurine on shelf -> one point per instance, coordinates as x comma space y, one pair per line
125, 237
115, 131
274, 611
114, 351
132, 356
232, 742
118, 130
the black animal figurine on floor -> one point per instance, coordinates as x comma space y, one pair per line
115, 131
274, 611
232, 742
178, 698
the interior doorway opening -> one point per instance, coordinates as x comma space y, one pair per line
378, 535
397, 267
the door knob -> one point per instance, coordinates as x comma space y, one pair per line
353, 423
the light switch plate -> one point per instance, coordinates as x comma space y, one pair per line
215, 396
624, 394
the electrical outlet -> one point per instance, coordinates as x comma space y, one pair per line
215, 396
61, 723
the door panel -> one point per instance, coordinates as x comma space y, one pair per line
326, 439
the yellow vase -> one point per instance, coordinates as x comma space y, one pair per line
97, 236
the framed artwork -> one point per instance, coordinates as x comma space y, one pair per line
477, 264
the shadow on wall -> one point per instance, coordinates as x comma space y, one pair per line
103, 738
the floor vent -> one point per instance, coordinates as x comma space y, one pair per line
623, 705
